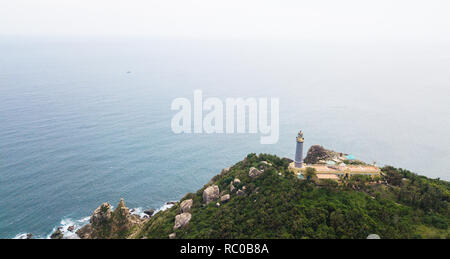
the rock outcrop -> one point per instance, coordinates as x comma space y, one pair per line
240, 193
57, 234
149, 212
373, 236
254, 172
182, 220
318, 154
101, 215
105, 223
186, 205
232, 188
85, 232
211, 194
266, 163
225, 198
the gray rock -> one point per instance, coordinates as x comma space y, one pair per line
173, 235
149, 212
240, 193
182, 220
85, 232
254, 172
225, 198
211, 194
186, 205
266, 163
373, 236
57, 234
232, 187
236, 181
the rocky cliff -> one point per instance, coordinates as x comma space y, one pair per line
105, 223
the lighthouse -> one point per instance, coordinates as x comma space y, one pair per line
299, 150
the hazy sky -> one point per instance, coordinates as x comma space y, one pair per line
320, 19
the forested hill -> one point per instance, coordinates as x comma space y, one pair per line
259, 198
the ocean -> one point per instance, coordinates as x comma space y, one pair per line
87, 120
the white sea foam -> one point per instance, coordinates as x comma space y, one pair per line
21, 236
163, 208
140, 211
66, 223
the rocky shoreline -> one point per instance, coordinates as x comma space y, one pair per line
68, 228
106, 223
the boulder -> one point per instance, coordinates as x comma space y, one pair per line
71, 228
85, 232
266, 163
211, 194
181, 220
225, 198
186, 205
217, 204
373, 236
236, 181
149, 212
232, 187
254, 172
57, 234
173, 236
29, 236
240, 193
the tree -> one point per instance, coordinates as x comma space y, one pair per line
310, 174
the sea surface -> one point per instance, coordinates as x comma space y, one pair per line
87, 120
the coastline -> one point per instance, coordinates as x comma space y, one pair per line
77, 224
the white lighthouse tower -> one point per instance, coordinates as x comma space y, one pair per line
299, 151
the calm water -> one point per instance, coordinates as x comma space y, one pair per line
76, 129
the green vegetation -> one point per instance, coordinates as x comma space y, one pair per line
277, 204
354, 162
310, 173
